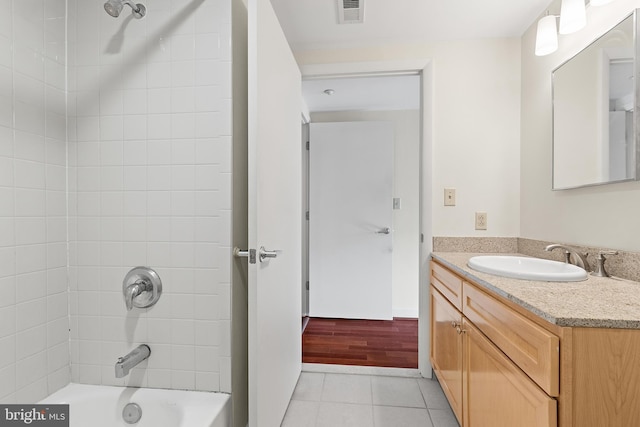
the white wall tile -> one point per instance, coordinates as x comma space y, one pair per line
136, 197
7, 292
30, 231
30, 286
31, 369
183, 47
31, 341
135, 127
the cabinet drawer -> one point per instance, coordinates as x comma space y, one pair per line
448, 284
534, 349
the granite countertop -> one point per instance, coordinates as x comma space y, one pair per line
598, 302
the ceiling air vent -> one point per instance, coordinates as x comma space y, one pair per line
350, 11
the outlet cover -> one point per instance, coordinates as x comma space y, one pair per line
481, 220
449, 196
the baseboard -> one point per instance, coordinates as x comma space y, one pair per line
411, 313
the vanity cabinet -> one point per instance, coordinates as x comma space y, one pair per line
501, 365
470, 339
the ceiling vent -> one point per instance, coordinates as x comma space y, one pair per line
350, 11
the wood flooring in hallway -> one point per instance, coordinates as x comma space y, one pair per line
385, 343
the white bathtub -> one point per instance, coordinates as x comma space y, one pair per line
101, 406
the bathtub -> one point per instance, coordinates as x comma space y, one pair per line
102, 406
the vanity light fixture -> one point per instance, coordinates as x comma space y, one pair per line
547, 36
573, 16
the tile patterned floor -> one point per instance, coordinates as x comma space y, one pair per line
346, 400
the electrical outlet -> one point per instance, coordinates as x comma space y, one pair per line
481, 220
449, 196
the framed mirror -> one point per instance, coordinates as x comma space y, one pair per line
595, 123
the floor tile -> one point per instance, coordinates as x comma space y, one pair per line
309, 386
392, 391
443, 418
389, 416
433, 394
301, 414
347, 389
333, 414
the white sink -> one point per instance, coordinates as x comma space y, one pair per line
526, 268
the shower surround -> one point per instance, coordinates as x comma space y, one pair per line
127, 164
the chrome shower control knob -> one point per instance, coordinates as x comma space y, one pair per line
141, 288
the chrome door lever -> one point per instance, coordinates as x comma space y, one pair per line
245, 253
385, 230
264, 254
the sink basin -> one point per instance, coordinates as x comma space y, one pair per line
525, 268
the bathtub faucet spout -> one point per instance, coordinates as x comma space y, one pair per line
135, 356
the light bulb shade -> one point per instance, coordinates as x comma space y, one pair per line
599, 2
573, 16
546, 36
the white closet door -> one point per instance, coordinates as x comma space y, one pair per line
350, 205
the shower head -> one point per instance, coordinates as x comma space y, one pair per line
114, 7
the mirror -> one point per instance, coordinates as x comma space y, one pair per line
594, 123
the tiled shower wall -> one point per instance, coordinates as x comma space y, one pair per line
34, 341
150, 185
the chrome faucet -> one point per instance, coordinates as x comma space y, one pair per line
599, 269
135, 356
580, 258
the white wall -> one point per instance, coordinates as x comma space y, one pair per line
405, 225
603, 216
34, 341
476, 127
150, 184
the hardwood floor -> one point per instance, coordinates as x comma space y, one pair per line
387, 343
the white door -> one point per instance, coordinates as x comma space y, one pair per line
275, 203
350, 215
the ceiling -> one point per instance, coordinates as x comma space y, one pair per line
313, 24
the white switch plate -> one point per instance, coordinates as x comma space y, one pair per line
449, 196
481, 220
396, 203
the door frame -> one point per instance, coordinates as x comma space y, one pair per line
424, 68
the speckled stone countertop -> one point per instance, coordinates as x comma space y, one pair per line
593, 303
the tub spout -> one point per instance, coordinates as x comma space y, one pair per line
137, 355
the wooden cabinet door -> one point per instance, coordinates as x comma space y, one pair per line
446, 348
496, 392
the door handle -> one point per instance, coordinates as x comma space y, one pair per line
245, 253
385, 230
264, 254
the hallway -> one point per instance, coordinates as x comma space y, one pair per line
346, 400
386, 343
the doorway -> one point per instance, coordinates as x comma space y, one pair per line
393, 99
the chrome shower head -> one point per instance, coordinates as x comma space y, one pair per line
114, 8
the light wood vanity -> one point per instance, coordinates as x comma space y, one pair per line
503, 361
